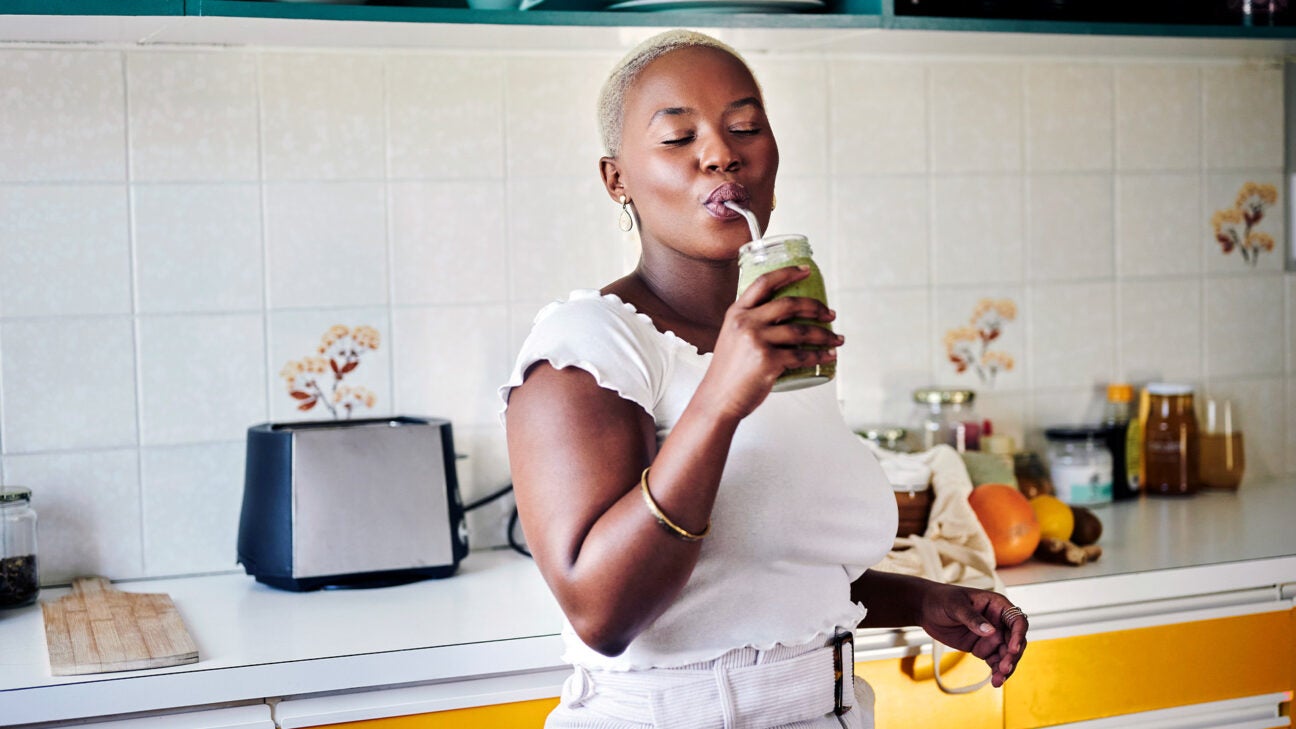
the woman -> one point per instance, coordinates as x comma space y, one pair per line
700, 534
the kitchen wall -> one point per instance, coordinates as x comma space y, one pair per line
177, 226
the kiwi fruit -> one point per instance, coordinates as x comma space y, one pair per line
1088, 529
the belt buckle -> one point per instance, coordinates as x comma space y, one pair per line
840, 642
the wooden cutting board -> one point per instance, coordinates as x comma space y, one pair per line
97, 629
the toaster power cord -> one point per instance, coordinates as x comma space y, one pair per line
514, 541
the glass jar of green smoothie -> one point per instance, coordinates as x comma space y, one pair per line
780, 251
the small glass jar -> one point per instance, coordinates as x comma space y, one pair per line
1170, 457
1080, 465
946, 417
19, 584
759, 257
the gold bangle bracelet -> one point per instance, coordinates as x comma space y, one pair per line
664, 520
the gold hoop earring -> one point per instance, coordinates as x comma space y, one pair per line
773, 202
625, 222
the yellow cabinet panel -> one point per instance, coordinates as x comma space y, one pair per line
520, 715
1120, 672
908, 697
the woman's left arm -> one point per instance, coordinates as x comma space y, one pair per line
979, 622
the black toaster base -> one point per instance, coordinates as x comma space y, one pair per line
359, 580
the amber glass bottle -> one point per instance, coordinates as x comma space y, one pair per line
1170, 459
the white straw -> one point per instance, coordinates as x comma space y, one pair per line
751, 218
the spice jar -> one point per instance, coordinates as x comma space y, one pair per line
1170, 441
18, 582
911, 482
1080, 464
946, 416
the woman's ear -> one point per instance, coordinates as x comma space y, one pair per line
611, 173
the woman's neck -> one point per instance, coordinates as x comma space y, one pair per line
686, 295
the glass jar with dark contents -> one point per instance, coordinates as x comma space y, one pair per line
18, 581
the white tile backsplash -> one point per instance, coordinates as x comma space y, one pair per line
1222, 192
1243, 116
297, 334
977, 232
69, 383
202, 377
1241, 313
1069, 117
976, 117
64, 250
445, 117
881, 230
193, 116
559, 138
198, 247
1158, 117
1069, 234
178, 224
451, 360
327, 244
1071, 334
88, 503
1160, 330
1158, 220
878, 118
322, 116
63, 116
192, 496
449, 242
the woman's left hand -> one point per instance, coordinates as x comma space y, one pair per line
979, 622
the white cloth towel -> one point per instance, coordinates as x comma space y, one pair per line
954, 548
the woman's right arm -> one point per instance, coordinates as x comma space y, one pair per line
576, 451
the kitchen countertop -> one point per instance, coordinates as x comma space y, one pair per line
497, 617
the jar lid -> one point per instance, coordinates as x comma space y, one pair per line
11, 494
1120, 392
943, 396
1169, 388
1074, 432
883, 433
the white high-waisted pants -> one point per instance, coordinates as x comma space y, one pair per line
625, 699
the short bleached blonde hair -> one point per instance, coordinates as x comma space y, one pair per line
611, 99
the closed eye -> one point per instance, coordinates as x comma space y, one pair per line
677, 141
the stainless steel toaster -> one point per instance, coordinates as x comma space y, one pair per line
352, 503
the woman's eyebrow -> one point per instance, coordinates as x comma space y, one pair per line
670, 111
746, 101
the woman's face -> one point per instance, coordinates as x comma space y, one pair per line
695, 135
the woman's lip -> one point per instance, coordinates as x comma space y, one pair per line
718, 210
728, 192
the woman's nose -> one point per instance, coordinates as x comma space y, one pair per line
718, 156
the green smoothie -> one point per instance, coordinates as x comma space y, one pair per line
780, 251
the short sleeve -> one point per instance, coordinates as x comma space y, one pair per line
602, 336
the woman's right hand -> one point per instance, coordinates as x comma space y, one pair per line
759, 340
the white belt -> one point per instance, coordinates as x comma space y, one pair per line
808, 686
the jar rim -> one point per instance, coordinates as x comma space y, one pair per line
772, 241
11, 494
943, 395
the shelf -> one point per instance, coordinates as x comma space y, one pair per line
849, 26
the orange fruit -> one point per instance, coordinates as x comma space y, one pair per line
1055, 517
1008, 520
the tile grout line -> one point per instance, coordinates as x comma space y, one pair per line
389, 243
132, 235
263, 193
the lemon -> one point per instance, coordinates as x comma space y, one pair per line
1054, 516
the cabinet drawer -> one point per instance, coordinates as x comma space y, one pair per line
519, 715
1126, 671
907, 694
